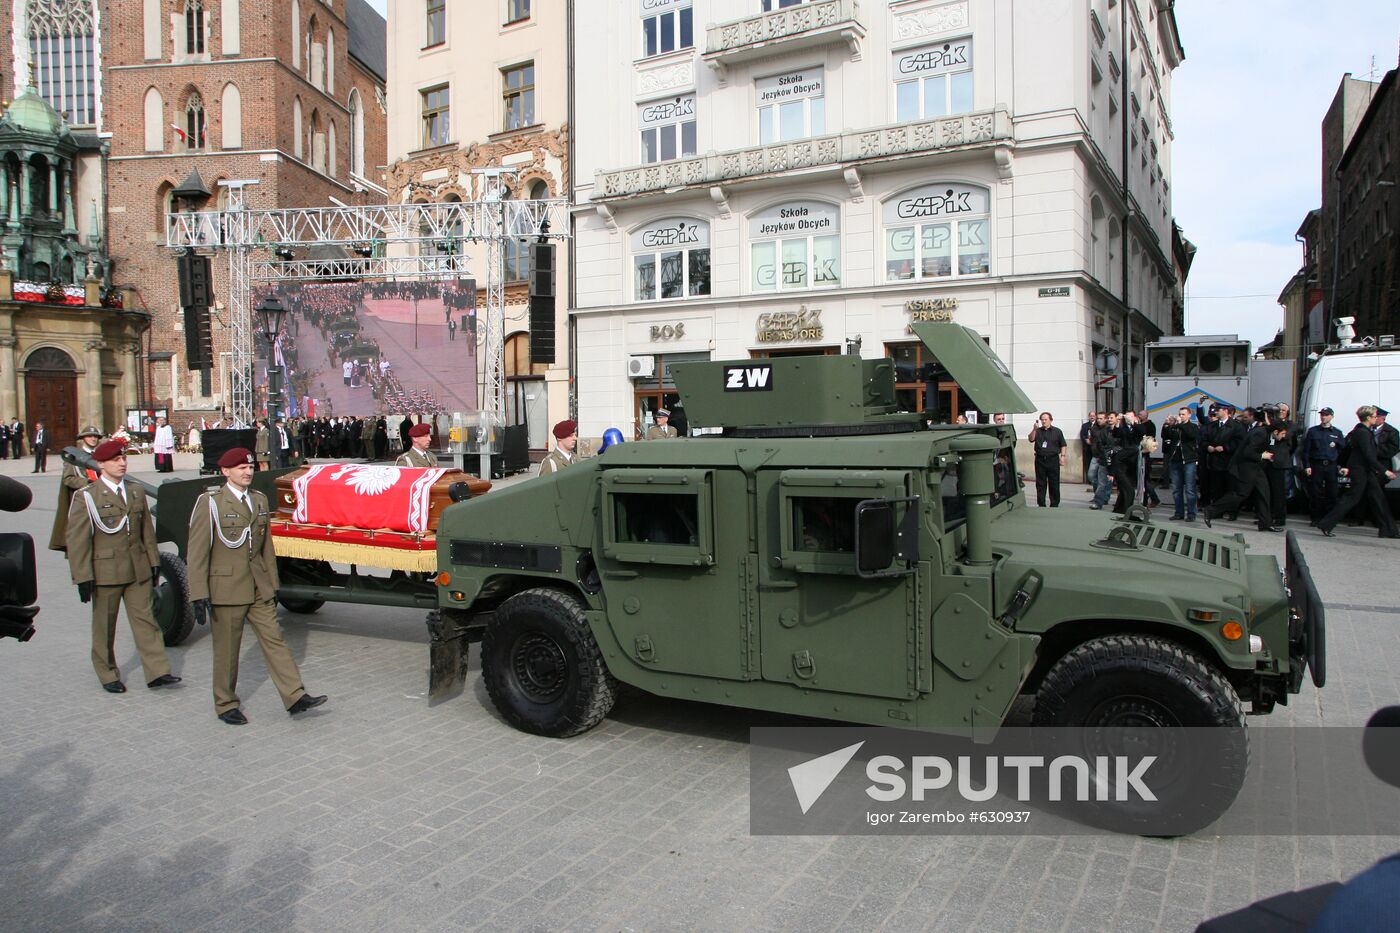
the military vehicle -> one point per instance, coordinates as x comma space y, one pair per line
829, 555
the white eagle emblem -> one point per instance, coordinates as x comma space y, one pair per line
369, 480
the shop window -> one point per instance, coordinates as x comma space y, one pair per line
667, 27
933, 80
659, 391
671, 259
667, 129
791, 106
795, 246
937, 231
922, 385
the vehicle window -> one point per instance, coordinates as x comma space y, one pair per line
1007, 485
652, 518
824, 523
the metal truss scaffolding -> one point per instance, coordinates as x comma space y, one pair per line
258, 244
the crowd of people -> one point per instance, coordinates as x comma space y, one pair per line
1221, 462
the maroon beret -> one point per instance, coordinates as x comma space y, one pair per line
566, 427
108, 451
237, 456
420, 430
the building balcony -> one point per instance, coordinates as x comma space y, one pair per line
835, 152
807, 25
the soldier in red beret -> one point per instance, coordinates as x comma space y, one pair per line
420, 438
233, 576
565, 442
113, 558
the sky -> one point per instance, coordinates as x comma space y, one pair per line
1247, 108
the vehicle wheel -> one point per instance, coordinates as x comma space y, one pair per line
171, 600
1108, 697
542, 666
304, 606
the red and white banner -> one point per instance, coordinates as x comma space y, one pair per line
359, 496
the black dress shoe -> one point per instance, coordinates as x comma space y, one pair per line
1327, 533
306, 702
164, 680
234, 717
115, 686
1205, 517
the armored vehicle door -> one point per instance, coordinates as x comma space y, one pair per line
676, 568
823, 623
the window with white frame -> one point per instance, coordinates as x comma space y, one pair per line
771, 5
518, 94
791, 106
62, 57
435, 22
933, 80
437, 116
937, 231
671, 259
667, 128
516, 10
667, 25
795, 245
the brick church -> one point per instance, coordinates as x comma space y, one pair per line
164, 99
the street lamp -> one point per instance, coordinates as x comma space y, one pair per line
270, 314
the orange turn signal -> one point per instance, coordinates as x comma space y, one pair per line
1232, 630
1203, 615
444, 578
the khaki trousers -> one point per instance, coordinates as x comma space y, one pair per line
227, 631
150, 642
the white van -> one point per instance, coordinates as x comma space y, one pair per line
1344, 379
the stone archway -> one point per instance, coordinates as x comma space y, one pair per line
51, 396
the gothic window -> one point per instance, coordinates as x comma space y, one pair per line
154, 110
193, 136
232, 117
194, 27
296, 127
62, 48
357, 135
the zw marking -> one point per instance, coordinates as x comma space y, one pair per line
748, 378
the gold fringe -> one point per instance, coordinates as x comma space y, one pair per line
364, 555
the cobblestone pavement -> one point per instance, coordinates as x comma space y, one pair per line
380, 812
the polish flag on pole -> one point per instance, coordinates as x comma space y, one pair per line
184, 137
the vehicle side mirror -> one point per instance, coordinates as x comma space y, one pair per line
874, 536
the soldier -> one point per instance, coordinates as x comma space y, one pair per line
662, 429
367, 438
420, 437
233, 576
73, 479
113, 559
565, 442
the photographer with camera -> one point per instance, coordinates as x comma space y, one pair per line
1247, 473
113, 558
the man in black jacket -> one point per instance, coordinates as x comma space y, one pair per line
1048, 442
1321, 454
1387, 438
1124, 465
1246, 472
1368, 476
1277, 471
1226, 437
1086, 452
1180, 437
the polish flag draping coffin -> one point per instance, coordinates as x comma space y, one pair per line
364, 514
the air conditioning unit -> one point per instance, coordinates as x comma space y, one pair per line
1216, 361
641, 366
1168, 363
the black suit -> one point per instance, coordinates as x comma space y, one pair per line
1124, 465
17, 440
1246, 472
41, 451
1367, 474
1085, 445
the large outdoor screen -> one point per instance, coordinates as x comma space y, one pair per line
372, 348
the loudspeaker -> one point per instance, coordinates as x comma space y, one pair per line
542, 303
196, 286
199, 340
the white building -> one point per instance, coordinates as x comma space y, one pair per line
755, 177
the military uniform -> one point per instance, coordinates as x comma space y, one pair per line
659, 432
232, 564
554, 461
73, 479
413, 457
112, 544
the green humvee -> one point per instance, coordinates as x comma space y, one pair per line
830, 556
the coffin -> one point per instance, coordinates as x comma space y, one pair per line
366, 514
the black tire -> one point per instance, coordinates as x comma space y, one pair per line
542, 666
171, 600
1109, 695
302, 606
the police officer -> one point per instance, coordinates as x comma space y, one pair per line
73, 479
420, 436
1323, 446
233, 576
565, 443
1387, 438
1368, 477
113, 558
662, 429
